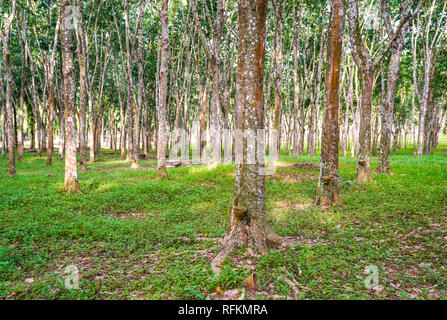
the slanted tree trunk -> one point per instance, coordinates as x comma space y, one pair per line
249, 188
9, 83
368, 67
163, 83
432, 41
328, 183
391, 88
71, 171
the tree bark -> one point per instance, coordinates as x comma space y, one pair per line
249, 187
9, 83
20, 142
328, 185
296, 81
80, 51
388, 111
163, 82
52, 62
279, 7
71, 172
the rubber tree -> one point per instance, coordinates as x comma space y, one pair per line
5, 33
391, 87
250, 228
367, 64
328, 184
162, 91
71, 183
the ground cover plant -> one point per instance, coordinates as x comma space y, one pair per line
133, 236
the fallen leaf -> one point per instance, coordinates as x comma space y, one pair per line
252, 282
219, 290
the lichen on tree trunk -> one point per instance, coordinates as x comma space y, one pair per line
71, 183
363, 173
163, 81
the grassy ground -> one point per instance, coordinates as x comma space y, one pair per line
135, 237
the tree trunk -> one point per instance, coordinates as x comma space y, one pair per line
71, 172
61, 150
163, 82
279, 6
388, 111
9, 82
328, 184
249, 189
52, 62
296, 82
80, 51
313, 125
20, 142
364, 157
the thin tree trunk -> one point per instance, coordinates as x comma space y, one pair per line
163, 82
388, 111
20, 142
279, 7
80, 51
52, 62
8, 105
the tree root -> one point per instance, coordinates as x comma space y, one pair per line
253, 235
216, 264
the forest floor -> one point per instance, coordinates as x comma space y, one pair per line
132, 236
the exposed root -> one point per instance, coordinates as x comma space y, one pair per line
216, 264
254, 235
291, 283
198, 239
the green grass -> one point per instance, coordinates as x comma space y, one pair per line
135, 237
